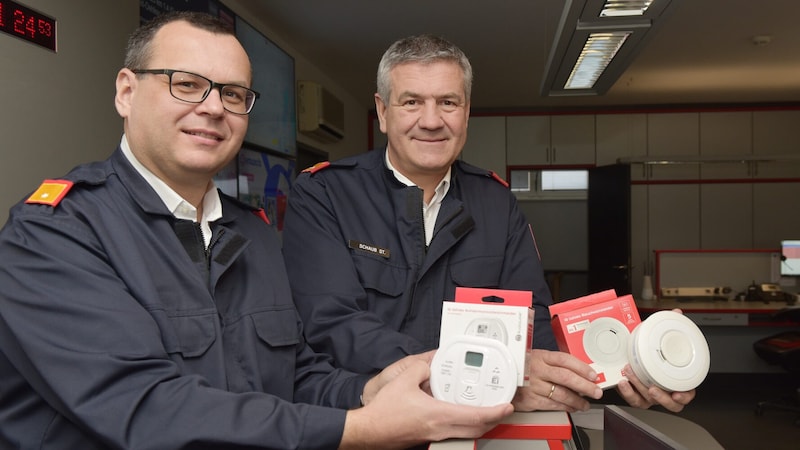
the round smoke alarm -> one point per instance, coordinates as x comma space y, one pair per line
669, 350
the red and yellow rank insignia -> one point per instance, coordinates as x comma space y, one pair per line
50, 192
317, 166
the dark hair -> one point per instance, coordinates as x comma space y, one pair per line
139, 50
425, 49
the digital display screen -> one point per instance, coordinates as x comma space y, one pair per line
473, 359
25, 23
273, 121
790, 258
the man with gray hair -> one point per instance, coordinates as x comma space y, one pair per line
376, 242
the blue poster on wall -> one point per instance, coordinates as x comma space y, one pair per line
262, 180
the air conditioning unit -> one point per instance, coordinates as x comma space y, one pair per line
319, 114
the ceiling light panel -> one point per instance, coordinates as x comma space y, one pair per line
596, 41
625, 8
597, 53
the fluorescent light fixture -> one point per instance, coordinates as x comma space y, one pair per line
597, 52
625, 8
596, 41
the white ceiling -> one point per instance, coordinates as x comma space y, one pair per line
702, 54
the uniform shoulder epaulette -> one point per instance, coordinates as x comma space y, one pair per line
259, 212
50, 192
262, 215
499, 180
317, 167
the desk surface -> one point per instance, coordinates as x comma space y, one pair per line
681, 430
729, 306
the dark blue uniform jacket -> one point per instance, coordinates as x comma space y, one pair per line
110, 336
367, 288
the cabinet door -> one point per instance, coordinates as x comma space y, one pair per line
621, 136
572, 139
486, 143
673, 216
726, 216
723, 135
776, 213
528, 140
776, 133
672, 136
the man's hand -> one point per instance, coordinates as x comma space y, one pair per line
399, 414
558, 382
640, 396
633, 391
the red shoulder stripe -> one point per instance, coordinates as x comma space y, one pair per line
260, 213
499, 180
317, 167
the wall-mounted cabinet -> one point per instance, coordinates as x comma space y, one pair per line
776, 133
486, 143
776, 207
550, 140
620, 136
672, 136
726, 136
673, 216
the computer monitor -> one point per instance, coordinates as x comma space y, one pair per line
790, 258
623, 431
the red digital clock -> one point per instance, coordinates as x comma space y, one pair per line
25, 23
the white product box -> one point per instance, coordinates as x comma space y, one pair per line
503, 315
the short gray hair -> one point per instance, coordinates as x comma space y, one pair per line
425, 49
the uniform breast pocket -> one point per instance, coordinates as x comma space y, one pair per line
479, 271
190, 336
379, 278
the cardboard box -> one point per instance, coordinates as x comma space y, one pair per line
596, 329
546, 430
503, 315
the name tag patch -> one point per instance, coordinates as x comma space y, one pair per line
369, 248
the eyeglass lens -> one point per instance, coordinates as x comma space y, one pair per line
194, 88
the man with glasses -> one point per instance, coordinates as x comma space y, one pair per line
142, 309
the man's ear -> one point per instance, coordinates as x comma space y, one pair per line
380, 108
126, 81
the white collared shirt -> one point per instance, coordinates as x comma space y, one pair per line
430, 211
180, 208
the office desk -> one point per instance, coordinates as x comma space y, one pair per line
534, 426
681, 430
730, 327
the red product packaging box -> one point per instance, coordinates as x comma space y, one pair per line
596, 329
545, 430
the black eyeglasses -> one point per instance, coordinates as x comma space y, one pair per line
193, 88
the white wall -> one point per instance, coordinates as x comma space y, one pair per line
58, 108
